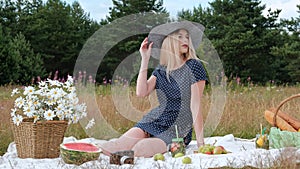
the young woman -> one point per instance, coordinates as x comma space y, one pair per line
179, 81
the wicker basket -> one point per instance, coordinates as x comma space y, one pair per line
39, 140
280, 139
281, 104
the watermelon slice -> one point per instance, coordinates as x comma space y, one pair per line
79, 153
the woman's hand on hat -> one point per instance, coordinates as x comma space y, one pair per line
145, 49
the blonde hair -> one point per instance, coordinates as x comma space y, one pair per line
170, 55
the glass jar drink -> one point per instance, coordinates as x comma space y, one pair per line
177, 146
262, 141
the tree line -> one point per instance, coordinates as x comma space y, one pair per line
38, 38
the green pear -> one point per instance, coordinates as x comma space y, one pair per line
159, 156
200, 149
179, 155
211, 148
207, 150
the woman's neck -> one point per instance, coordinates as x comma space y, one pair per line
179, 64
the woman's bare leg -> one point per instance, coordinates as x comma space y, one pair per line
148, 147
125, 142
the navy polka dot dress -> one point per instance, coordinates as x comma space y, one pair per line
174, 102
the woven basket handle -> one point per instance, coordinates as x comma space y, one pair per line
281, 104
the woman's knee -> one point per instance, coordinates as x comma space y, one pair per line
135, 132
149, 147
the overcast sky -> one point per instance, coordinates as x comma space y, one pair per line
98, 9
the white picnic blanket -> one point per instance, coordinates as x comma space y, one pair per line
243, 153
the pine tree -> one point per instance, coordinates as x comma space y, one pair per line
19, 63
242, 36
56, 30
126, 7
289, 53
123, 9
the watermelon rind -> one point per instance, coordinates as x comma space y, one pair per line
78, 157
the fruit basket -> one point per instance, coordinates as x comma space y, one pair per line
284, 132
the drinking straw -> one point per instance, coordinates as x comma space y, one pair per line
176, 131
261, 129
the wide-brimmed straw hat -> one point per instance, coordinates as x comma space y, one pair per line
158, 34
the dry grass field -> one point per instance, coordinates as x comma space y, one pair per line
242, 115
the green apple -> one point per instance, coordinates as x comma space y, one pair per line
186, 160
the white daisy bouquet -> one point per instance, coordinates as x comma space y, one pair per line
49, 100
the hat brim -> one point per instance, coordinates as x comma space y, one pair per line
158, 34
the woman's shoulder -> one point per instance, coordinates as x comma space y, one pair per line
159, 70
193, 62
197, 69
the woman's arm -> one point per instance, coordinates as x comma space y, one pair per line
144, 87
196, 94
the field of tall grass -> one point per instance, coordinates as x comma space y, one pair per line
242, 116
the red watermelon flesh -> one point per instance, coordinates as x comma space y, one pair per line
79, 153
86, 147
